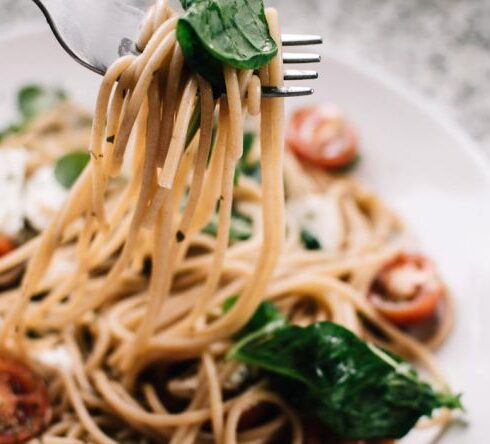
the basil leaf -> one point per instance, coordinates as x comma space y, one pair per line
240, 228
235, 32
33, 99
266, 316
70, 166
357, 390
13, 128
250, 169
309, 240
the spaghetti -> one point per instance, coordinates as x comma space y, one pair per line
139, 310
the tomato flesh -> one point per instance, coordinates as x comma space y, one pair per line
320, 135
24, 405
6, 245
407, 290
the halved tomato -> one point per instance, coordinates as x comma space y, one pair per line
6, 245
24, 405
407, 290
320, 135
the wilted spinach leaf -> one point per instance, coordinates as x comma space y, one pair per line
235, 32
267, 316
70, 166
357, 390
33, 99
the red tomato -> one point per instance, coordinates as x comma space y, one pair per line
24, 405
6, 245
407, 290
319, 134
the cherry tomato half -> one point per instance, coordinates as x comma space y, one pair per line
407, 289
320, 135
24, 405
6, 245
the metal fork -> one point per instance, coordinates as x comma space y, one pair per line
95, 33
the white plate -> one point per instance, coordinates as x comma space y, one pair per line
420, 162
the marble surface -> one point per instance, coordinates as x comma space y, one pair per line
439, 47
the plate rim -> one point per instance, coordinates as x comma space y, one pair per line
438, 113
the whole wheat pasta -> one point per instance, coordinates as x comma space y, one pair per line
138, 318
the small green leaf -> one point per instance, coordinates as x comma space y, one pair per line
229, 303
13, 128
244, 166
309, 240
33, 99
265, 315
70, 166
240, 229
248, 142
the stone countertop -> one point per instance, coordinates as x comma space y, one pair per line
440, 48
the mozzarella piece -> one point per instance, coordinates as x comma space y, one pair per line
404, 281
56, 357
318, 213
44, 197
12, 176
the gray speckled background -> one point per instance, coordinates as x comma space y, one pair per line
439, 47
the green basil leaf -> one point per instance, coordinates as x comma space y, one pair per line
241, 227
235, 32
265, 315
13, 128
248, 142
33, 99
244, 166
357, 390
70, 166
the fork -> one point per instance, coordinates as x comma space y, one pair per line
82, 28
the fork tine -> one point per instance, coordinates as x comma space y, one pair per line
299, 74
299, 57
300, 39
286, 91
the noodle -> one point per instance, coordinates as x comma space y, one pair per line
141, 342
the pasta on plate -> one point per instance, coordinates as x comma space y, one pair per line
198, 282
